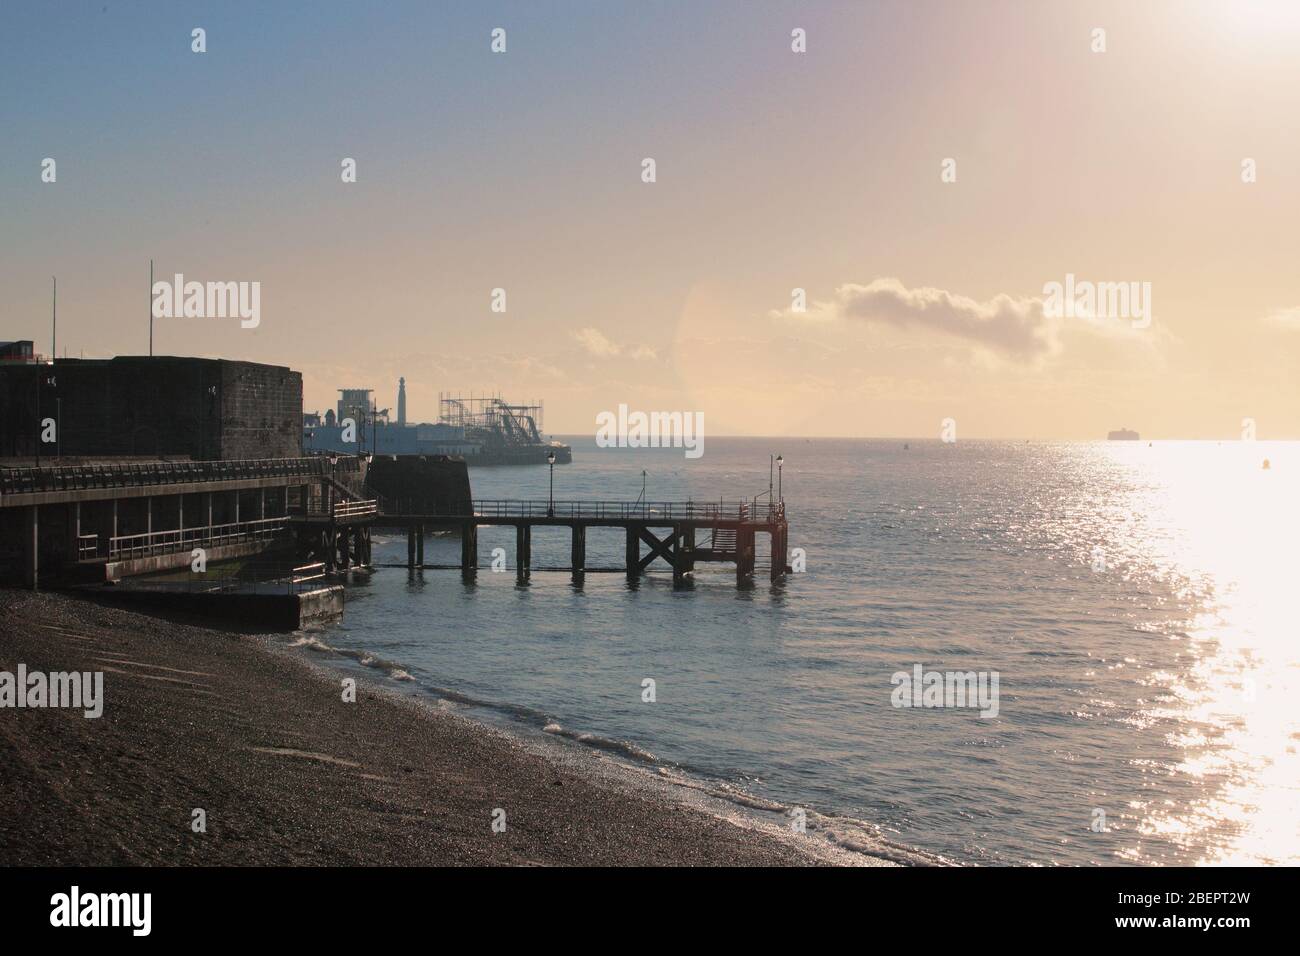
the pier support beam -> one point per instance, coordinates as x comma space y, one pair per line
681, 560
410, 549
74, 532
419, 546
578, 552
779, 552
633, 552
31, 547
523, 552
106, 526
345, 553
469, 549
744, 555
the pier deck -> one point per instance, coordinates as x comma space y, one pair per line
105, 519
669, 530
102, 521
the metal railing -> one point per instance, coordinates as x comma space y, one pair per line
87, 546
127, 546
248, 579
350, 509
33, 479
436, 506
743, 510
344, 509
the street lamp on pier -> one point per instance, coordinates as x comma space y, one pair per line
550, 502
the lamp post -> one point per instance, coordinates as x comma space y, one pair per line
550, 505
780, 461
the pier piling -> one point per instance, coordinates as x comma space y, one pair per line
744, 555
468, 549
523, 552
578, 552
633, 552
779, 553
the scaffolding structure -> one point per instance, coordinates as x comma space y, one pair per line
492, 420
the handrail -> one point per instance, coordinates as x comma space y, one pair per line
147, 544
244, 580
345, 509
742, 510
28, 479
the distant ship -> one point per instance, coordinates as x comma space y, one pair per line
1123, 435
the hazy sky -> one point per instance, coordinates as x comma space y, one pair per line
776, 170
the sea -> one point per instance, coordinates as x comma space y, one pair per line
1127, 605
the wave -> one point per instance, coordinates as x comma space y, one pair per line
858, 838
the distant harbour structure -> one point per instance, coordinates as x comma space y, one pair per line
507, 434
1123, 434
484, 431
360, 427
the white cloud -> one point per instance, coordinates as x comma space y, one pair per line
1286, 318
1014, 328
597, 343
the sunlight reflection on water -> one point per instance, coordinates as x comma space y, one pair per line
1232, 525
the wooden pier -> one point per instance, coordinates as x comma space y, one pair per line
97, 522
679, 533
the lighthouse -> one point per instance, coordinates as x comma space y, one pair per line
401, 401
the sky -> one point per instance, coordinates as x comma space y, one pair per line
925, 282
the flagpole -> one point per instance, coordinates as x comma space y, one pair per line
151, 307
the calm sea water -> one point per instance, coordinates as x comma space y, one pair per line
1134, 599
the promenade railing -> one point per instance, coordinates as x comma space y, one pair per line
34, 479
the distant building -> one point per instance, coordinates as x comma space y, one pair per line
155, 406
21, 351
355, 403
401, 401
387, 439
